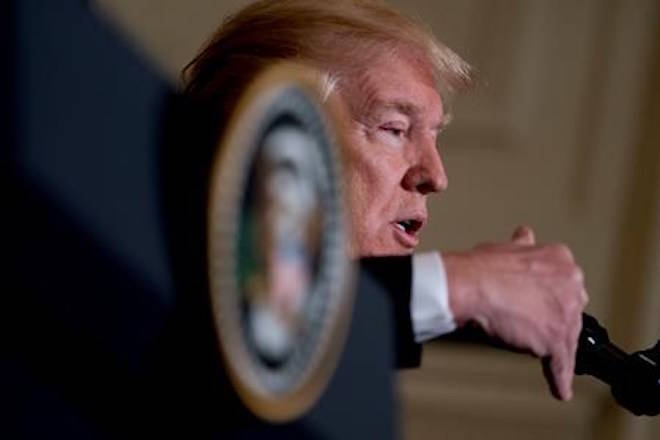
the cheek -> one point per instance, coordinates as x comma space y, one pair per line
372, 175
370, 188
357, 190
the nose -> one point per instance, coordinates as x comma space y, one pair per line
427, 173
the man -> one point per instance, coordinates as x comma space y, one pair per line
394, 78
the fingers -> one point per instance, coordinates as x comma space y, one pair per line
559, 377
559, 367
558, 371
524, 235
550, 378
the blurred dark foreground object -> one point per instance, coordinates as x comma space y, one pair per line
107, 329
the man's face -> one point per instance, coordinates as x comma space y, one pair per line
392, 163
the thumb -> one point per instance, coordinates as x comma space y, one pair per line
524, 235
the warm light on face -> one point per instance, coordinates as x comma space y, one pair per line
392, 163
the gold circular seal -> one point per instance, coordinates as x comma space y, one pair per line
280, 279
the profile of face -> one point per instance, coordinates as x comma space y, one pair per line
391, 163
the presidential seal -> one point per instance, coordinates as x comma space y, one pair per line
280, 280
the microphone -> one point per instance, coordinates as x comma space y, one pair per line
634, 379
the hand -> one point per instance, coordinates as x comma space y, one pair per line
528, 295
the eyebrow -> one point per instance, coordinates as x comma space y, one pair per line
405, 107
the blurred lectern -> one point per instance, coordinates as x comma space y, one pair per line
107, 322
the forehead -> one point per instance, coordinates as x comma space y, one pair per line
397, 84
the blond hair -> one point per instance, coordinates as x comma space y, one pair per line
336, 36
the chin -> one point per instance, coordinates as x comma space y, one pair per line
383, 250
401, 251
369, 246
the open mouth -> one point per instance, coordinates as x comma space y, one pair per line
409, 226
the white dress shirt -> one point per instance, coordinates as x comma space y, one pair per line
429, 299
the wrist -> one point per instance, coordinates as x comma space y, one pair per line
463, 287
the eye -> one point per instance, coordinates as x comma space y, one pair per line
394, 130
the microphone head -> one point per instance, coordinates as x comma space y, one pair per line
634, 379
596, 355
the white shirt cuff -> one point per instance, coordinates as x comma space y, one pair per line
429, 299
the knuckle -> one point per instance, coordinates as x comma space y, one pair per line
577, 305
584, 297
562, 251
572, 286
577, 275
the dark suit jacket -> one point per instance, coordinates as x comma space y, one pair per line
394, 275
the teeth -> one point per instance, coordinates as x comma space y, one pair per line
401, 226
